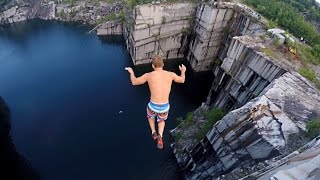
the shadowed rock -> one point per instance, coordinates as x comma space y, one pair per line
12, 165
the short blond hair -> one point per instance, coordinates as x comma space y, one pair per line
157, 61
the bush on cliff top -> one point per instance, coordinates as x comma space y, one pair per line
313, 128
212, 116
309, 74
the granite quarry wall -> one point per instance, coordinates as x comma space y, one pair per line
199, 33
255, 132
158, 29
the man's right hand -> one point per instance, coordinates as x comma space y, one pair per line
182, 68
129, 69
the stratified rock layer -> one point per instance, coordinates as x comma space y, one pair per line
243, 74
215, 26
24, 10
110, 28
173, 31
158, 29
257, 131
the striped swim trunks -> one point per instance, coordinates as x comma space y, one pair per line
161, 111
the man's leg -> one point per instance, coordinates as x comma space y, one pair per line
161, 125
152, 124
151, 118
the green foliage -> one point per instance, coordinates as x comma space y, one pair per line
309, 74
187, 122
309, 7
109, 17
110, 1
212, 116
272, 24
133, 3
271, 53
288, 17
180, 122
189, 118
72, 2
313, 128
316, 51
217, 61
276, 41
177, 136
308, 55
62, 14
121, 16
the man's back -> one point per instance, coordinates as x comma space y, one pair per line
160, 82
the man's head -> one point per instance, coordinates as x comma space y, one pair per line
157, 62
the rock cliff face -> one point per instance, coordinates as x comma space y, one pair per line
200, 34
12, 164
244, 73
158, 29
110, 28
21, 10
215, 25
92, 13
257, 131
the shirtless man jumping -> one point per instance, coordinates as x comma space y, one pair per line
159, 82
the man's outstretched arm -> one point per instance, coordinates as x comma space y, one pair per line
134, 80
182, 77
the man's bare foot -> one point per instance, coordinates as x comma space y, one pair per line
160, 142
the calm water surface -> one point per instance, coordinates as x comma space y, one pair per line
65, 89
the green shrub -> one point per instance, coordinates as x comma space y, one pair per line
180, 122
277, 41
72, 2
109, 17
272, 24
189, 118
217, 61
62, 14
177, 136
212, 116
271, 53
308, 55
313, 128
121, 16
316, 51
308, 73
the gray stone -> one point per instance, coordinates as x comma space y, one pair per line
260, 149
221, 126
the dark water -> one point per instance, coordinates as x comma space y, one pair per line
65, 89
